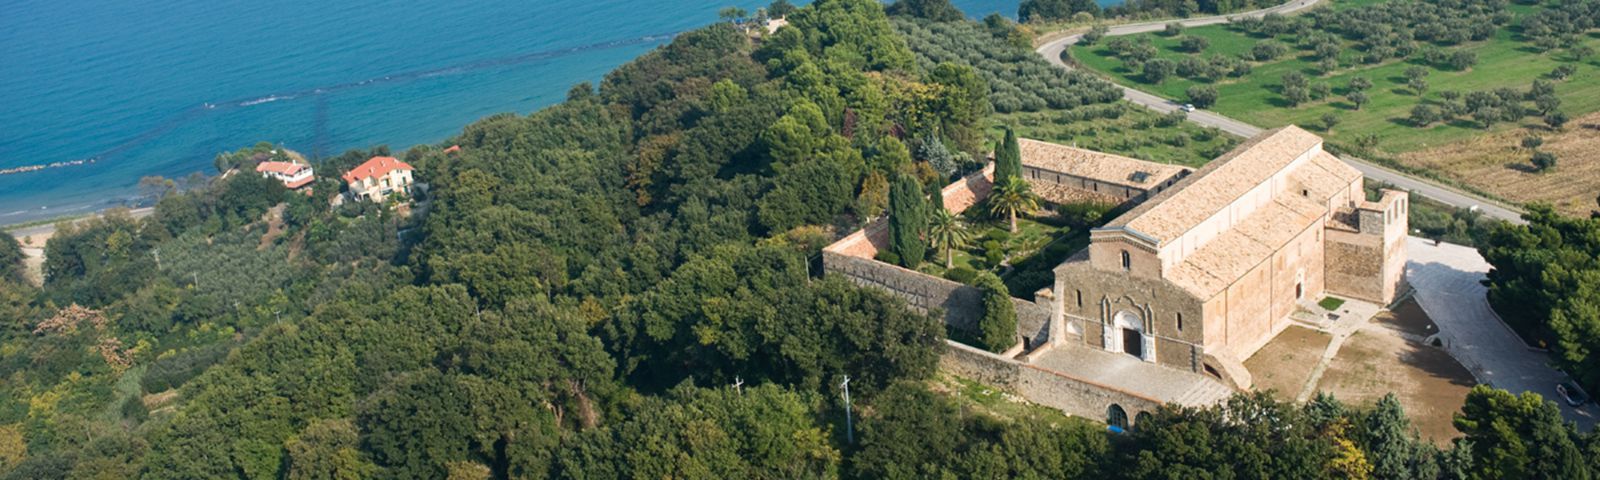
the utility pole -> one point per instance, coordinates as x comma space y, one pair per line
849, 428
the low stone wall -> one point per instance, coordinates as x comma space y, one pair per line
1045, 387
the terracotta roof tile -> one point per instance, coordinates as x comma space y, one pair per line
285, 168
1212, 188
375, 167
1103, 167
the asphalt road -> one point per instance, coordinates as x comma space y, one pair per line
1052, 53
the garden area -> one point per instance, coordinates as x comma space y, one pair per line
1023, 260
1358, 72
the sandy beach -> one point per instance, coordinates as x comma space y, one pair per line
34, 238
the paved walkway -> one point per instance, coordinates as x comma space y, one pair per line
1052, 53
1134, 375
1447, 280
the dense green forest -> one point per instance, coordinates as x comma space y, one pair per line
620, 285
1544, 283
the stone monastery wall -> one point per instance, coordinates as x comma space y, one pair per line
1072, 395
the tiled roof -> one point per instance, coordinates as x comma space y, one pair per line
376, 167
285, 168
1225, 259
298, 183
1103, 167
1212, 188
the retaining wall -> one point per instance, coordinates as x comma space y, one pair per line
1045, 387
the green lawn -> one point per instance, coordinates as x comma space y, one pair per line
1504, 61
1330, 303
1134, 134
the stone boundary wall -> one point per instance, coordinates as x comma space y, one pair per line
1046, 387
853, 257
962, 304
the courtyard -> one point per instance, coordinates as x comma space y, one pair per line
1361, 358
1023, 259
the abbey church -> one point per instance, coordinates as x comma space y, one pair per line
1209, 265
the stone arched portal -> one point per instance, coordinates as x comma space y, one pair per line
1127, 335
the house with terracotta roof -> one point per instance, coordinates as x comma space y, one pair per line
293, 174
1209, 268
378, 178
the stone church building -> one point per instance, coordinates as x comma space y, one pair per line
1208, 265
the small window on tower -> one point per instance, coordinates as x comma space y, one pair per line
1180, 321
1127, 261
1080, 298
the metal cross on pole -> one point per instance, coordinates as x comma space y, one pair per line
849, 429
737, 383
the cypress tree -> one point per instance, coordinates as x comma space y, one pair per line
1007, 158
997, 330
935, 198
907, 218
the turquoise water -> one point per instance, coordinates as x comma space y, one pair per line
160, 87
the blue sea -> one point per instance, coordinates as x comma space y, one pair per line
159, 87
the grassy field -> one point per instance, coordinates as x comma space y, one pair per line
1135, 133
1497, 163
1503, 61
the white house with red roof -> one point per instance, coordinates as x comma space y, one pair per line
293, 175
379, 177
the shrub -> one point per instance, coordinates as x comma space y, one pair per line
1172, 119
1555, 119
1173, 29
1159, 70
1543, 161
1195, 44
888, 257
1329, 120
1267, 50
1203, 96
1462, 59
961, 274
1532, 142
1423, 114
1321, 90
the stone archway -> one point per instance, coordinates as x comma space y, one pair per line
1128, 335
1117, 417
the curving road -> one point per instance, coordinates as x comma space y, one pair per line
1052, 53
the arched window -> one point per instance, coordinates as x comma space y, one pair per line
1127, 261
1117, 417
1138, 420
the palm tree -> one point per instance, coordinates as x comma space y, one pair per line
948, 233
1011, 197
